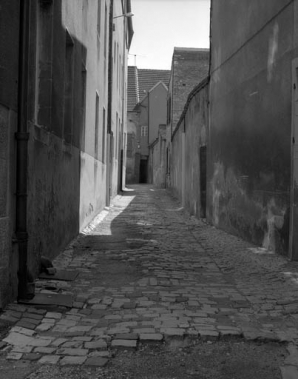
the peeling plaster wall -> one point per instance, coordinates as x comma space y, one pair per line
9, 41
250, 120
190, 136
157, 160
133, 152
67, 156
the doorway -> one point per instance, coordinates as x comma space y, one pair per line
203, 180
143, 170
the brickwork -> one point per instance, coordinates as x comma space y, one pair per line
189, 68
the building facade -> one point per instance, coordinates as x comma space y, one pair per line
252, 169
147, 99
63, 137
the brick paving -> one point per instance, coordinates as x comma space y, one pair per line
148, 272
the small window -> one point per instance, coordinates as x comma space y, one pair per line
144, 131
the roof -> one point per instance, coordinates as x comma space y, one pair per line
190, 53
141, 81
132, 87
148, 78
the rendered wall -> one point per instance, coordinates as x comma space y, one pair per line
157, 160
9, 41
157, 110
190, 135
133, 152
250, 119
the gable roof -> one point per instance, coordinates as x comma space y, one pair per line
148, 78
141, 81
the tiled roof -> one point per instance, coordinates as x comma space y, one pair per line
132, 87
140, 81
148, 78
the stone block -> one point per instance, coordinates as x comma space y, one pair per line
172, 332
72, 360
289, 372
96, 361
208, 335
98, 345
127, 336
49, 359
14, 356
69, 351
31, 356
124, 344
156, 337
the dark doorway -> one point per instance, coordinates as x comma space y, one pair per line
143, 170
203, 180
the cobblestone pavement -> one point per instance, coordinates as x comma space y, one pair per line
150, 272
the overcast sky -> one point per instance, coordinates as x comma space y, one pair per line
159, 25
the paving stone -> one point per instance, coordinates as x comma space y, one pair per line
128, 336
144, 331
49, 359
54, 315
82, 339
22, 349
26, 325
208, 335
173, 332
72, 360
32, 316
44, 350
75, 329
289, 372
99, 345
151, 337
26, 332
37, 311
59, 341
43, 327
70, 351
14, 356
126, 344
31, 356
96, 361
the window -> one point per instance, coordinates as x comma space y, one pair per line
144, 131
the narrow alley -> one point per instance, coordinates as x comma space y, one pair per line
148, 273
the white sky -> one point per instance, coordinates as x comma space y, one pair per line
159, 25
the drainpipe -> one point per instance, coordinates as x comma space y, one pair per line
22, 137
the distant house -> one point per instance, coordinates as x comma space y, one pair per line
146, 110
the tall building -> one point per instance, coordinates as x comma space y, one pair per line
63, 125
